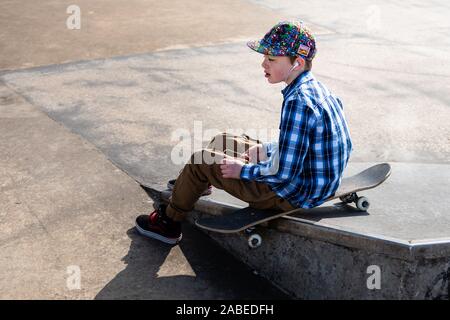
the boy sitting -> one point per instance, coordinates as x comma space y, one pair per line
300, 170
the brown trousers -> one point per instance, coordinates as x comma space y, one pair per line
203, 169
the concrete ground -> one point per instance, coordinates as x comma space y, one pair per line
65, 207
151, 83
35, 33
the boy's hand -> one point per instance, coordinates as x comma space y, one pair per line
255, 154
231, 168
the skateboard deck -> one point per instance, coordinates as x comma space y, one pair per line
246, 218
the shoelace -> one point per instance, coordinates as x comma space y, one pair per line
154, 216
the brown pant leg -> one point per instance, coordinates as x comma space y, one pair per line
203, 168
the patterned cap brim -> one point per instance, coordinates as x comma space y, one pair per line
262, 47
256, 45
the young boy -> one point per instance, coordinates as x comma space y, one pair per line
300, 170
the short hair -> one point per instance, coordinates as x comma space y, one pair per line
308, 63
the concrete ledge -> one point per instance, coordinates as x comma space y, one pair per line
304, 256
404, 249
308, 268
381, 244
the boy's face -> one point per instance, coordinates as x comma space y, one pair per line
276, 69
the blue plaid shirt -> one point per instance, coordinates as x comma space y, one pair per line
305, 166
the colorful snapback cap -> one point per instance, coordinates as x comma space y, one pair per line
287, 39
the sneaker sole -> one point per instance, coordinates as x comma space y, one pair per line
157, 236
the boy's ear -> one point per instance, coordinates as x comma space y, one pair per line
300, 62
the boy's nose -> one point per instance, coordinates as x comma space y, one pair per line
263, 64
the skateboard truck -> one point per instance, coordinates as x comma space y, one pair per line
362, 203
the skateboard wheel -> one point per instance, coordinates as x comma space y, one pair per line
363, 203
254, 241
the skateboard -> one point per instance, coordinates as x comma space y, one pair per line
247, 218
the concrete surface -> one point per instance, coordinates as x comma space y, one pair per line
64, 204
388, 61
34, 33
315, 254
312, 268
401, 208
325, 252
132, 107
394, 88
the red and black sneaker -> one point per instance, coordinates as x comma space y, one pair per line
159, 226
171, 184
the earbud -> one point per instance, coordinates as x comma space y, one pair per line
294, 66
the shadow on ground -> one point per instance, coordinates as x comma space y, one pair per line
215, 275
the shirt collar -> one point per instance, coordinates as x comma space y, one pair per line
302, 78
